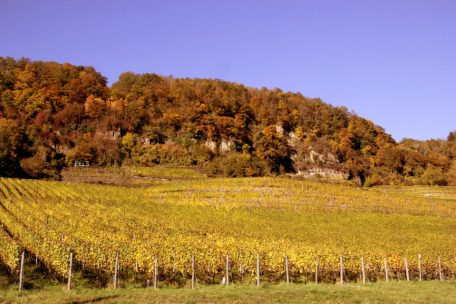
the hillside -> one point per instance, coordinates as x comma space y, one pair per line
53, 115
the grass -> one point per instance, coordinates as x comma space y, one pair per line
131, 176
392, 292
166, 172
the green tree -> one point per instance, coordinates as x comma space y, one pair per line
128, 143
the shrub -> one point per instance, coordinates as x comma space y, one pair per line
45, 163
236, 165
373, 180
166, 154
434, 176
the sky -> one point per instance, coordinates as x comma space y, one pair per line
393, 62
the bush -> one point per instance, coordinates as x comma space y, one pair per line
84, 150
236, 165
373, 180
45, 163
434, 176
166, 154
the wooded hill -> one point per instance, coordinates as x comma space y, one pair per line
52, 115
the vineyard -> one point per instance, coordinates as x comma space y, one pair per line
230, 230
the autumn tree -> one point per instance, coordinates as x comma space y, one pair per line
11, 147
273, 147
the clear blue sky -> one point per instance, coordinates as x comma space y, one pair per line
393, 62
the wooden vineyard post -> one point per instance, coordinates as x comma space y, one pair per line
406, 270
287, 272
70, 271
116, 272
227, 270
440, 269
363, 270
193, 272
316, 270
341, 271
386, 269
155, 272
258, 270
21, 272
419, 268
98, 272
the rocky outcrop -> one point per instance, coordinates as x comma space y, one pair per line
110, 135
224, 146
212, 145
322, 173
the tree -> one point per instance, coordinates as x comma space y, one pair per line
274, 148
452, 173
85, 150
44, 163
11, 148
95, 108
128, 143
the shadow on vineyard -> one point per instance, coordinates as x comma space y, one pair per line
6, 279
36, 276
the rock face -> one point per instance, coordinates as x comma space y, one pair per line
323, 173
310, 162
144, 140
313, 157
292, 139
212, 145
224, 146
279, 129
110, 135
